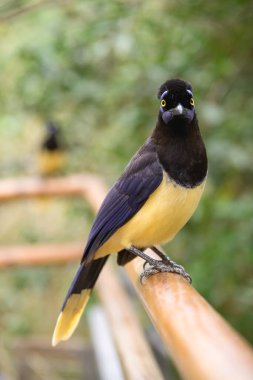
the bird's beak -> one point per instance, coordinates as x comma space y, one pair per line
179, 110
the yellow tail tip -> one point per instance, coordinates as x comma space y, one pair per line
59, 332
70, 316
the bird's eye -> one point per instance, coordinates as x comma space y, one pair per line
163, 103
192, 102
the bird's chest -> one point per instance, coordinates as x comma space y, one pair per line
165, 212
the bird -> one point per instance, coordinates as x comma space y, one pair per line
52, 152
152, 200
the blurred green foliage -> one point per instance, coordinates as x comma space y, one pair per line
95, 67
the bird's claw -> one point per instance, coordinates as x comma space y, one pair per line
161, 267
145, 264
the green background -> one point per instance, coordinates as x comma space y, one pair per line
94, 67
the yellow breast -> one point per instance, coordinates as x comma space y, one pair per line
51, 162
165, 212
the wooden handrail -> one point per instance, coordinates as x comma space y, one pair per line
202, 344
39, 254
89, 186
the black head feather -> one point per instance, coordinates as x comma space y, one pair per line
52, 140
177, 137
176, 101
175, 86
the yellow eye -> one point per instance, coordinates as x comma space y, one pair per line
163, 103
192, 102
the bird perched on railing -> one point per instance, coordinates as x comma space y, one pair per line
152, 200
52, 152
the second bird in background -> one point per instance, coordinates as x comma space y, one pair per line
52, 155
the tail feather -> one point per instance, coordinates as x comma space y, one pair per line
125, 257
76, 299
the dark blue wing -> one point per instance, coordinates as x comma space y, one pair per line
141, 177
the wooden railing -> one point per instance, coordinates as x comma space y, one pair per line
201, 343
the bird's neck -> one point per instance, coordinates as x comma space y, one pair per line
181, 151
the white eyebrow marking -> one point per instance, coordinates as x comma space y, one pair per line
163, 94
189, 92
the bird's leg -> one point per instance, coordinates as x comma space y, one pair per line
144, 256
160, 253
165, 258
158, 266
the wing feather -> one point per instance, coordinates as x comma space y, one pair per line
139, 180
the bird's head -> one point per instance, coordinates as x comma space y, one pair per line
176, 101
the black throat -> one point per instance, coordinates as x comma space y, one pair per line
181, 150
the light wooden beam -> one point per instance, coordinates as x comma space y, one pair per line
89, 186
200, 342
39, 254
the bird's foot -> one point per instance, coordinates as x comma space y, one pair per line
156, 266
165, 265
